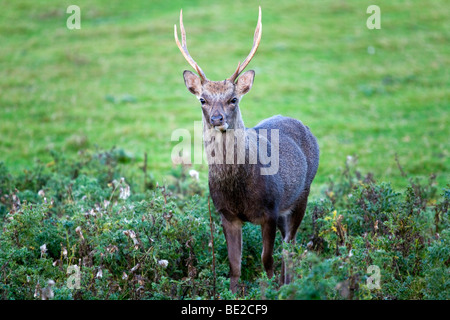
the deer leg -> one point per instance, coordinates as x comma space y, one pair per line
233, 237
268, 229
296, 216
295, 219
281, 223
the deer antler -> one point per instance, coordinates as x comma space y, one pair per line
256, 41
183, 48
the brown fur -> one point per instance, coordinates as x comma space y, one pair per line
240, 192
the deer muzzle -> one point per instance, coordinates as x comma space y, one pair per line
222, 128
218, 122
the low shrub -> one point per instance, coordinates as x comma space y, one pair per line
89, 228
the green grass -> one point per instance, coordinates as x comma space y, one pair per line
118, 80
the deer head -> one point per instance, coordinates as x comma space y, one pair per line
219, 99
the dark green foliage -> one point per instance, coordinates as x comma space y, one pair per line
132, 242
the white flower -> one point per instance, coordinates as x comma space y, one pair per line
163, 263
194, 174
124, 192
135, 268
112, 249
41, 193
132, 235
37, 290
47, 292
78, 230
43, 249
99, 273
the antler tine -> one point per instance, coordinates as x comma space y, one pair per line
256, 41
184, 50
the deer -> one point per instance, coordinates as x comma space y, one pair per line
242, 189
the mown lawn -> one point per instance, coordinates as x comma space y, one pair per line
117, 81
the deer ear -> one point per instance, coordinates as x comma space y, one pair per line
245, 82
192, 82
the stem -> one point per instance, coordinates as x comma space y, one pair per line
214, 257
403, 174
112, 193
145, 171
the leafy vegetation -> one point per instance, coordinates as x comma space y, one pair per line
137, 227
131, 240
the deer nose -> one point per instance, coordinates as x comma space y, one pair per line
217, 120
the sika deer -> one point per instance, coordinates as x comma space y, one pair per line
242, 185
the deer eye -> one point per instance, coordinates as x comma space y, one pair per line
202, 101
234, 100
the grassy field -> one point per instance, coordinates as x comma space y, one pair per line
118, 80
377, 101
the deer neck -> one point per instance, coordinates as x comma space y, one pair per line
226, 152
